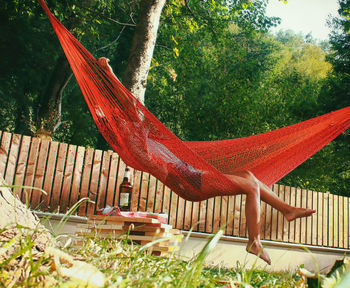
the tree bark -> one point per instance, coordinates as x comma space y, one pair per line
49, 111
144, 39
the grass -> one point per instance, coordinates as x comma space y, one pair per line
100, 262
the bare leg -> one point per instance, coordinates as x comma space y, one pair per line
267, 195
251, 190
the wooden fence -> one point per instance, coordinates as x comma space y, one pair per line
69, 173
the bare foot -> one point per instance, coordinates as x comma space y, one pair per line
255, 247
298, 213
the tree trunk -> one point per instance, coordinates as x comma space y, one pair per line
50, 102
144, 39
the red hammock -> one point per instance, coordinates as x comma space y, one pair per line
194, 170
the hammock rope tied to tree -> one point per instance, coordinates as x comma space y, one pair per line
194, 170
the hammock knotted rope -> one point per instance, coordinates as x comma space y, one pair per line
194, 170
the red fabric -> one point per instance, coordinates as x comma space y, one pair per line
194, 170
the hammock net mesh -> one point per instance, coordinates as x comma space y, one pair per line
194, 170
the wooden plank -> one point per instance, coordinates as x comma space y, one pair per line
263, 207
173, 208
67, 178
136, 193
77, 176
95, 177
285, 226
341, 222
112, 180
236, 222
120, 177
22, 164
217, 208
58, 178
209, 216
325, 220
180, 213
143, 191
298, 203
159, 197
314, 225
346, 223
230, 215
320, 219
49, 175
274, 216
4, 151
292, 225
331, 227
280, 218
166, 200
195, 216
309, 219
243, 218
151, 194
188, 215
202, 215
102, 189
85, 183
336, 216
122, 219
303, 223
30, 172
12, 159
40, 172
223, 213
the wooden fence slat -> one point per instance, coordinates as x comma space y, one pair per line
95, 177
314, 225
303, 223
12, 159
67, 178
280, 218
223, 214
309, 223
292, 224
58, 178
285, 226
346, 223
159, 197
236, 220
202, 215
243, 219
195, 216
102, 189
336, 220
319, 219
112, 179
230, 215
135, 197
40, 173
341, 222
166, 201
331, 220
151, 194
4, 151
30, 172
216, 220
22, 164
143, 191
298, 203
325, 220
173, 208
77, 176
188, 215
85, 183
180, 213
209, 216
49, 175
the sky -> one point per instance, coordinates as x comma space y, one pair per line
304, 16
